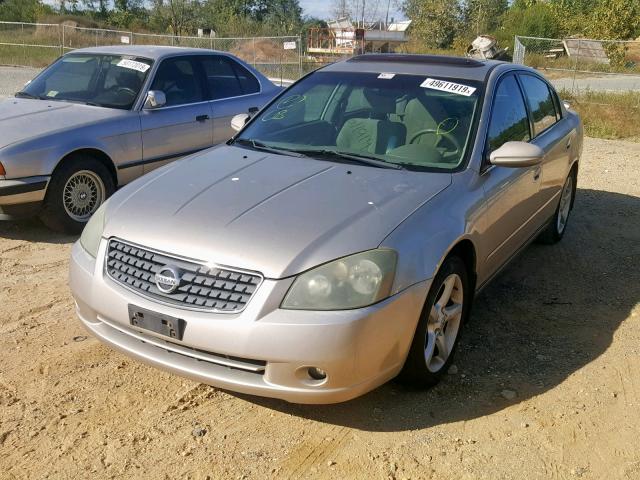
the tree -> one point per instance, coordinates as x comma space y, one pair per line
435, 22
180, 16
283, 16
483, 16
22, 10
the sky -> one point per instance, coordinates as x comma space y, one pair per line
324, 8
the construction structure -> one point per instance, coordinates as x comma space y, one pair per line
342, 38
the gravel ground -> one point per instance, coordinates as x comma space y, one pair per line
547, 382
13, 78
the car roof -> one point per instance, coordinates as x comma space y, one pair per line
153, 52
435, 65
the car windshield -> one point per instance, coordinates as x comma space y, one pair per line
414, 121
112, 81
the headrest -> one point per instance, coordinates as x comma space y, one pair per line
381, 101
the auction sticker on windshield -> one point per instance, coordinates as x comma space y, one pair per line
133, 65
448, 87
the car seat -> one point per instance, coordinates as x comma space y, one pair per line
376, 134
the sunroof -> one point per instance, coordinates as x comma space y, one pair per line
424, 59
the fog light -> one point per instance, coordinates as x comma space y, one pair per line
316, 373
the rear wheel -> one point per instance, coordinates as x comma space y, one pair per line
555, 230
439, 327
75, 192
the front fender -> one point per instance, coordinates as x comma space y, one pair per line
425, 238
119, 139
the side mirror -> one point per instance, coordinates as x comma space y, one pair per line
155, 99
517, 154
238, 121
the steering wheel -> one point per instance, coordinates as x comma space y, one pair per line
440, 136
130, 91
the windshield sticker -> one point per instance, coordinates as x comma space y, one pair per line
448, 87
52, 93
386, 76
133, 65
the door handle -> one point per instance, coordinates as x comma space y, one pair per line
568, 144
202, 118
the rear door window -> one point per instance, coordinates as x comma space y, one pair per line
541, 103
226, 78
509, 121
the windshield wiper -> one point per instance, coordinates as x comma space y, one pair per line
363, 159
268, 148
23, 94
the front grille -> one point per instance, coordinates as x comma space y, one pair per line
201, 287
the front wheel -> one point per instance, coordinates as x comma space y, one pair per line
440, 324
76, 190
555, 230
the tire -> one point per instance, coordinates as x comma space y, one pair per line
425, 364
76, 190
558, 225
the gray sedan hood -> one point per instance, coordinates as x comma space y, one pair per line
22, 119
276, 214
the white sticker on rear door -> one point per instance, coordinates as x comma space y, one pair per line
386, 76
133, 65
448, 87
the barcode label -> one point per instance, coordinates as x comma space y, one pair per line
448, 87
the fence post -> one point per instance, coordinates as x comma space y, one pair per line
254, 52
299, 56
575, 68
60, 39
63, 39
24, 47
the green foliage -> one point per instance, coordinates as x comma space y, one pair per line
435, 22
529, 19
22, 10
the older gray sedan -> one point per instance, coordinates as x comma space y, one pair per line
98, 118
338, 240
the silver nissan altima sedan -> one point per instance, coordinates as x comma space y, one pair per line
337, 241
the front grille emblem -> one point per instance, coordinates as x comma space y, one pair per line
168, 279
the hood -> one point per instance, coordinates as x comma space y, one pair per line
23, 118
275, 214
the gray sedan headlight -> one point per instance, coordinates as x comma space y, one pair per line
350, 282
92, 233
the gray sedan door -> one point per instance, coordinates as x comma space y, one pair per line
511, 193
232, 89
184, 124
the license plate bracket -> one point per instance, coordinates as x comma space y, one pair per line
166, 325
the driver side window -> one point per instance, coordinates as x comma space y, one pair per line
178, 78
509, 121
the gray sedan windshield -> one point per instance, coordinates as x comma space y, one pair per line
112, 81
409, 120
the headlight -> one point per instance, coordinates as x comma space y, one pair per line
90, 238
350, 282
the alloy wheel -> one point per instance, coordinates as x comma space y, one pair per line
443, 323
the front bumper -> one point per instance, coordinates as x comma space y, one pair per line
263, 350
22, 197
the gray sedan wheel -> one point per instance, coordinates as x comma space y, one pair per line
440, 324
76, 190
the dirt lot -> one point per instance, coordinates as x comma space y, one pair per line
547, 382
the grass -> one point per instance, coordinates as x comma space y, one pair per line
607, 114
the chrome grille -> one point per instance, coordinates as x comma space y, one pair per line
201, 287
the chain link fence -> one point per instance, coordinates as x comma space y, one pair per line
37, 45
581, 65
